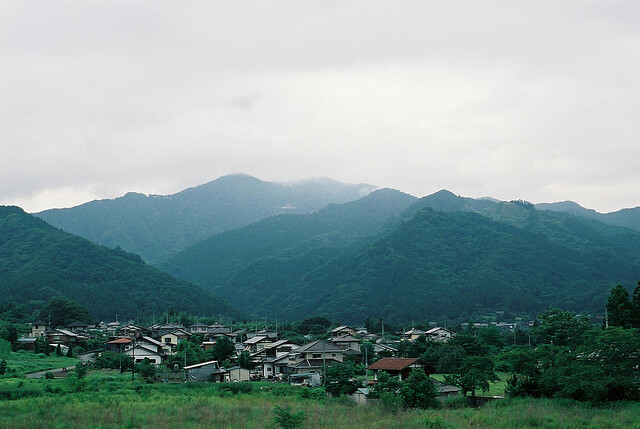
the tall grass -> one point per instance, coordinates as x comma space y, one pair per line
23, 362
110, 400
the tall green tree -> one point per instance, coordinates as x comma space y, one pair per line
65, 311
562, 328
418, 390
244, 360
635, 307
341, 379
468, 342
619, 307
223, 349
475, 373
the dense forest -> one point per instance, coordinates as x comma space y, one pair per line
39, 261
216, 260
443, 257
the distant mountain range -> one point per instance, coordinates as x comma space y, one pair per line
349, 252
439, 256
39, 261
158, 226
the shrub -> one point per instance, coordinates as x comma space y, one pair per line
286, 419
81, 370
434, 423
48, 375
390, 402
309, 393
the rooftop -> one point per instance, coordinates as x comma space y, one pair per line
393, 364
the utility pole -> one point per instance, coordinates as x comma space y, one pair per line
366, 365
133, 358
324, 364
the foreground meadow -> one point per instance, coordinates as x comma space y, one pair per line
110, 400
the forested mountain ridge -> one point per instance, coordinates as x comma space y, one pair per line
448, 202
39, 261
627, 218
447, 263
158, 226
214, 261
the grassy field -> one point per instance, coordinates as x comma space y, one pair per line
23, 362
495, 389
107, 399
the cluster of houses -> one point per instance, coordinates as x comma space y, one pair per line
272, 357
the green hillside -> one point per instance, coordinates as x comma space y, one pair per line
214, 261
158, 226
452, 264
39, 261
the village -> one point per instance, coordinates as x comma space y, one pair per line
255, 355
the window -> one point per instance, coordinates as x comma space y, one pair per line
316, 356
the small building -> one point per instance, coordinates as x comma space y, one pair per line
347, 342
67, 338
77, 326
27, 343
413, 334
343, 331
361, 396
205, 371
140, 352
131, 331
313, 357
154, 345
159, 329
263, 359
119, 345
445, 390
199, 328
439, 334
395, 367
39, 329
237, 374
311, 379
384, 350
258, 342
171, 339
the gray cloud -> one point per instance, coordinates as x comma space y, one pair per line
533, 100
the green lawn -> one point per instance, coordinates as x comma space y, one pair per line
496, 388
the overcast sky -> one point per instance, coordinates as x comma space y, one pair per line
515, 100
